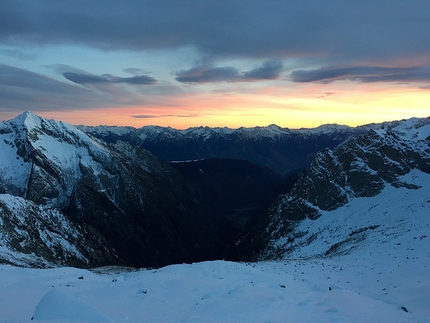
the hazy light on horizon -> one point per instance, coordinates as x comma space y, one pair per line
225, 63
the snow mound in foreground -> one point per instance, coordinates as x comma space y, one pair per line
61, 307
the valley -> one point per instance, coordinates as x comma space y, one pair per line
344, 238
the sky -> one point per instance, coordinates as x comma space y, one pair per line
232, 63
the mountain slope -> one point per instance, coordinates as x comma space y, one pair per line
234, 194
38, 236
364, 187
280, 149
141, 208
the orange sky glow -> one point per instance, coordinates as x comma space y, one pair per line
305, 107
297, 64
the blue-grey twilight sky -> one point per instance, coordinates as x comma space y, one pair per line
187, 63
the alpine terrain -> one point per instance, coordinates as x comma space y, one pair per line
282, 150
368, 191
70, 199
347, 240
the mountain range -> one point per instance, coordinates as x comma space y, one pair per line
373, 185
282, 150
71, 199
93, 196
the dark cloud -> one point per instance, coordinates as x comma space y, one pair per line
134, 70
328, 30
87, 79
144, 116
62, 68
22, 89
136, 80
269, 71
365, 74
208, 74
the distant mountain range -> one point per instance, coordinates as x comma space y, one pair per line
69, 198
282, 150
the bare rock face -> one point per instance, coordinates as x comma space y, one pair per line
41, 236
360, 167
135, 208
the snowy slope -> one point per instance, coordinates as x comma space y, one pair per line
397, 216
380, 275
130, 207
356, 288
28, 142
371, 173
41, 236
359, 219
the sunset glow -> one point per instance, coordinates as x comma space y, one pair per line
285, 63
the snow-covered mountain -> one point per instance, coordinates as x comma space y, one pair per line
348, 243
70, 198
33, 235
369, 190
280, 149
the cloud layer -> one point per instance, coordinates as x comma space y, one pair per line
365, 74
86, 79
270, 70
21, 89
333, 29
155, 54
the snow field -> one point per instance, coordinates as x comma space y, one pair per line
349, 288
382, 277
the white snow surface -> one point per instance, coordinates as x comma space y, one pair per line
382, 276
64, 146
14, 171
379, 273
360, 287
58, 305
396, 216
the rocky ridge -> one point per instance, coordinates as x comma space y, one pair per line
359, 168
282, 150
118, 196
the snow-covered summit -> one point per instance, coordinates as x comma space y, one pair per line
31, 143
28, 119
272, 131
118, 192
280, 149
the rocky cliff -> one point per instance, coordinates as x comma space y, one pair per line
359, 168
139, 209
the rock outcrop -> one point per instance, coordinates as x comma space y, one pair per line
360, 167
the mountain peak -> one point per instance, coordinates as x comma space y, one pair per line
28, 119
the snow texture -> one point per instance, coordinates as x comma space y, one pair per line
391, 286
57, 305
368, 261
65, 147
